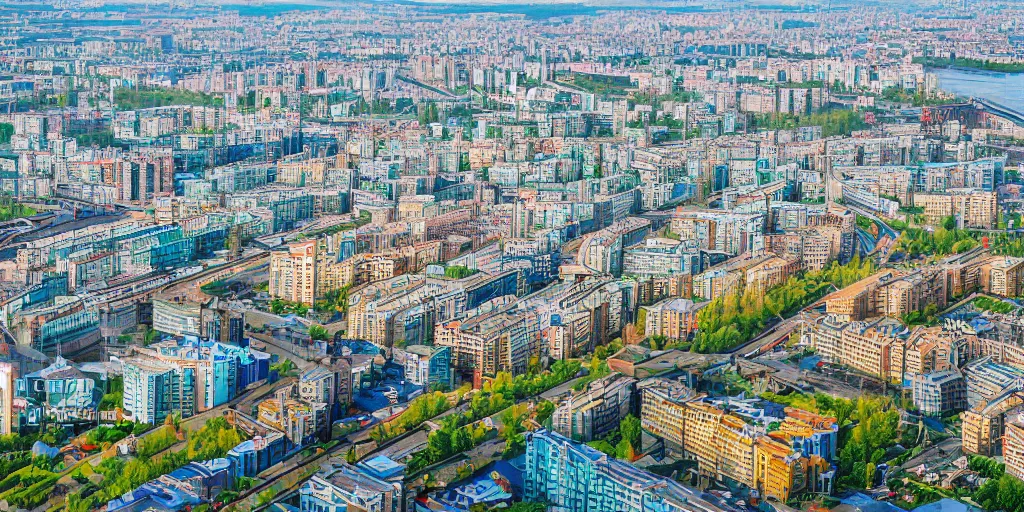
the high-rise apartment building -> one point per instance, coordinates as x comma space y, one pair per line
1013, 447
940, 392
186, 377
293, 272
1003, 276
7, 417
674, 318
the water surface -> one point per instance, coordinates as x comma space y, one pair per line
1006, 89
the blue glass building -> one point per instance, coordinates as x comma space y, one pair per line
574, 477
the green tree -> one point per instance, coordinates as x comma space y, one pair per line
624, 450
544, 411
631, 431
949, 223
318, 332
6, 132
148, 335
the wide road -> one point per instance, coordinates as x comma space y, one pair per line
187, 287
883, 228
867, 242
301, 356
947, 450
771, 334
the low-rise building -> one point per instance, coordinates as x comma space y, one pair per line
342, 487
674, 318
425, 365
592, 412
939, 392
63, 392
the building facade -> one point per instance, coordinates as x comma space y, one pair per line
589, 414
575, 477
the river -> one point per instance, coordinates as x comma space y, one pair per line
1006, 89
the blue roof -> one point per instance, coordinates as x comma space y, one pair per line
480, 490
245, 446
947, 505
383, 467
864, 503
153, 496
41, 448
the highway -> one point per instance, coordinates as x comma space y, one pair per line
300, 356
884, 228
1000, 110
867, 242
775, 333
886, 235
771, 337
186, 286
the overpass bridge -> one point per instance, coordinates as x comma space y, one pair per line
969, 113
935, 116
1000, 110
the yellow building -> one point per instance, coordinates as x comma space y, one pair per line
300, 421
293, 273
895, 183
980, 432
863, 346
889, 293
771, 272
777, 471
673, 318
1002, 275
756, 271
1013, 448
304, 172
973, 209
733, 445
727, 447
700, 429
662, 412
